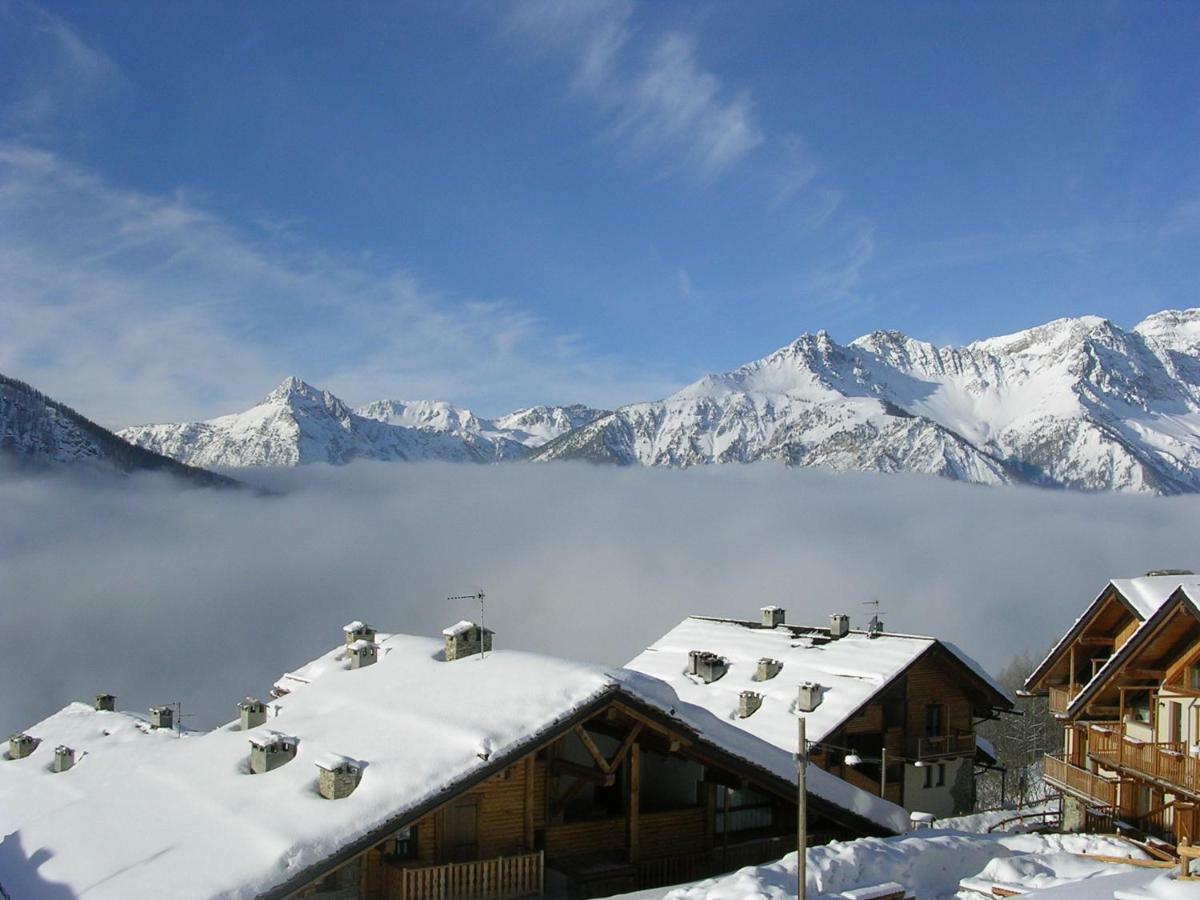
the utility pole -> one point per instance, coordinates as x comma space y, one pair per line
883, 770
802, 806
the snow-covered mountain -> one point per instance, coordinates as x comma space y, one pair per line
297, 423
1076, 403
38, 431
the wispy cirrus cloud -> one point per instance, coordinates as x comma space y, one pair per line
137, 307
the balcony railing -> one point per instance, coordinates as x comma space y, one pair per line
1060, 773
942, 745
504, 878
1168, 762
1060, 699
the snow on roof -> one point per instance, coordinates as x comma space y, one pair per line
361, 645
354, 626
458, 628
852, 670
418, 721
1147, 593
331, 762
271, 738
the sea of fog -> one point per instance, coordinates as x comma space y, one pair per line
159, 594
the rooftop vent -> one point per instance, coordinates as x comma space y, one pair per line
706, 666
362, 653
466, 639
64, 758
105, 702
358, 631
748, 702
767, 669
252, 713
809, 696
839, 625
772, 616
162, 717
271, 752
1154, 572
20, 745
339, 776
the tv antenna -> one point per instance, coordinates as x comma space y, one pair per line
875, 626
178, 704
478, 595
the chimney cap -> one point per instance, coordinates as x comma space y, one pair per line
271, 738
771, 608
462, 627
354, 626
335, 762
361, 645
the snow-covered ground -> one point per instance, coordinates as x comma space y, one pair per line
947, 864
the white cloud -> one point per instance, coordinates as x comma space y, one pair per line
134, 307
206, 596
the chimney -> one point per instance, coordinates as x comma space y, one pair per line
748, 702
162, 717
252, 713
767, 669
839, 625
875, 626
808, 696
466, 639
358, 631
338, 776
105, 703
64, 758
271, 752
706, 666
20, 745
772, 616
362, 654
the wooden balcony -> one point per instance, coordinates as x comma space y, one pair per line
503, 878
1060, 699
943, 745
1168, 762
1066, 777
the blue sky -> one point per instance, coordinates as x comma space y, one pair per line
500, 204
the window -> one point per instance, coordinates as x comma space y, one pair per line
929, 776
1139, 706
941, 779
404, 843
933, 720
1193, 677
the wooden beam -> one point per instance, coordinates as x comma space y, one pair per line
1095, 642
676, 740
530, 773
619, 756
569, 794
1152, 674
566, 767
635, 797
592, 749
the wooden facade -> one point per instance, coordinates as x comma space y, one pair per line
927, 714
1127, 691
620, 799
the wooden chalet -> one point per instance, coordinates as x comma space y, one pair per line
409, 772
902, 708
1125, 684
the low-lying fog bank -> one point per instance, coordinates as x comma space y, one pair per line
158, 594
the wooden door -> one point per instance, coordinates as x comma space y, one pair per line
460, 832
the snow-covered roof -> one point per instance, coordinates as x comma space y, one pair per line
417, 722
354, 626
271, 738
851, 670
361, 645
331, 762
458, 628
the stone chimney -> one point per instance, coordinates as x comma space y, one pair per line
338, 776
362, 654
839, 625
271, 752
20, 745
748, 702
466, 639
706, 666
252, 713
772, 616
64, 758
808, 696
162, 717
105, 703
358, 631
767, 669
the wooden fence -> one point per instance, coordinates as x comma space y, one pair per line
503, 878
1062, 774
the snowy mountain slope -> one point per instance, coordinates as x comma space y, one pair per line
1076, 403
297, 424
38, 431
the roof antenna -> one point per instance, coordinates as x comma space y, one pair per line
875, 626
478, 595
